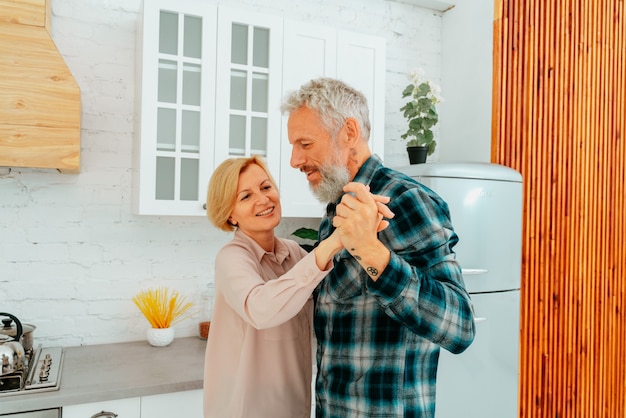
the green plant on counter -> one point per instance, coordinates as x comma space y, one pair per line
420, 111
306, 233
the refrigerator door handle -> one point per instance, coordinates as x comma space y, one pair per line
473, 271
479, 320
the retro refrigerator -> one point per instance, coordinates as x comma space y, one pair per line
485, 202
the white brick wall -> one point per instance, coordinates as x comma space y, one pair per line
72, 253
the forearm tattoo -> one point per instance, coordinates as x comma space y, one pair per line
372, 271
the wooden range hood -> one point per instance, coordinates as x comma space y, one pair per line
40, 105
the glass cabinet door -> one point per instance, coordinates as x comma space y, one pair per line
177, 74
249, 81
178, 107
249, 74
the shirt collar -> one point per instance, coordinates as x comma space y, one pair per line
364, 175
280, 253
368, 169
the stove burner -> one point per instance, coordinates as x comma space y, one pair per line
42, 372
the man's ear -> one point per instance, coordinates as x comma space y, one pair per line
353, 132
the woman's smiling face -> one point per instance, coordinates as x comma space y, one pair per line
257, 208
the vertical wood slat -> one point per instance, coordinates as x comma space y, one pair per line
559, 118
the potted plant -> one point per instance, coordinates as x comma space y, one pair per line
421, 113
307, 234
162, 308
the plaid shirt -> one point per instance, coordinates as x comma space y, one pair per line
378, 342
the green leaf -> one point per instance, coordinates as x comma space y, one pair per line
408, 90
427, 123
305, 233
416, 124
423, 89
431, 147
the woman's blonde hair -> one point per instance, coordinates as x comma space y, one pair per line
222, 191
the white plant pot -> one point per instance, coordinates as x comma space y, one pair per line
160, 337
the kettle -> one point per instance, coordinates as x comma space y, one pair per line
11, 351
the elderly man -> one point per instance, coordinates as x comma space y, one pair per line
394, 297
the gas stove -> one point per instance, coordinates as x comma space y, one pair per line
41, 373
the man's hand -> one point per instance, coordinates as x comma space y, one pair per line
359, 217
361, 205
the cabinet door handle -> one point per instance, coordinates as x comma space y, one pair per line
104, 414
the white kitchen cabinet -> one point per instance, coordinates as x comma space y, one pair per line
126, 408
248, 87
201, 103
310, 52
176, 50
210, 83
361, 62
186, 404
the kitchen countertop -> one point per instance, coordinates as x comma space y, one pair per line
95, 373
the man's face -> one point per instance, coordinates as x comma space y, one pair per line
315, 153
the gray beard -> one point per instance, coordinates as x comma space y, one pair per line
330, 188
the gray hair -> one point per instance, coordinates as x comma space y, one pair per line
334, 101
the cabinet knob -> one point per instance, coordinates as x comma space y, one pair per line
104, 414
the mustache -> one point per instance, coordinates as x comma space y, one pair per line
306, 168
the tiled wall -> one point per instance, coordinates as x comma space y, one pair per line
72, 253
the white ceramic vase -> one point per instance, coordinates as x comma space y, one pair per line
160, 337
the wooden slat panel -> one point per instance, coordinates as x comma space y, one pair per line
559, 118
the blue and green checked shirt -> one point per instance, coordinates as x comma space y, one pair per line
378, 342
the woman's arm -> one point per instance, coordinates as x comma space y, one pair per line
326, 249
268, 303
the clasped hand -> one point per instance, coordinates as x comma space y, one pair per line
361, 215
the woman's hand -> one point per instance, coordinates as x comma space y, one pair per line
326, 249
383, 210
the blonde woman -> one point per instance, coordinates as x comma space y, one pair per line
258, 357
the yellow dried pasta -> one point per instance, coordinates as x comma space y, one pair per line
162, 307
